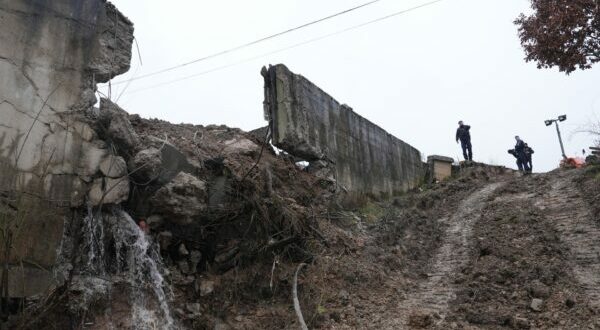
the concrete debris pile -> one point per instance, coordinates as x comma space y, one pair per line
214, 199
75, 178
110, 220
209, 202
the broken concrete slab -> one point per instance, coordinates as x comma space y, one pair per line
113, 166
109, 191
181, 200
240, 146
172, 163
114, 126
114, 57
159, 164
308, 123
146, 165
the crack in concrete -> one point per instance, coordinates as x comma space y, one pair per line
53, 67
16, 109
24, 74
31, 82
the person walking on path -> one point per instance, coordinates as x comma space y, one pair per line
463, 135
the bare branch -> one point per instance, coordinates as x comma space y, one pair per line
296, 301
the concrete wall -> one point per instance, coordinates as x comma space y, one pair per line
308, 123
52, 54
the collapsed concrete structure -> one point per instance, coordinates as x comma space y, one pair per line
109, 220
310, 124
52, 54
93, 200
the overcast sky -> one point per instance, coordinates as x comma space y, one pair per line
415, 75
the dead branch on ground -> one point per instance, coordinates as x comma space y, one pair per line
296, 301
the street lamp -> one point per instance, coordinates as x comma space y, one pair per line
555, 121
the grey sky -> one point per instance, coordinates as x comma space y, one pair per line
415, 75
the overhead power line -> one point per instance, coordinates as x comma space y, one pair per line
398, 13
249, 43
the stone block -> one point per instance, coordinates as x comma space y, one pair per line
440, 167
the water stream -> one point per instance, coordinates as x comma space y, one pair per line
144, 266
117, 251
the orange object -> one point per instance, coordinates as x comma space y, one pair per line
572, 162
579, 162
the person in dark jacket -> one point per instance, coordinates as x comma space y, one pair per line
519, 153
528, 155
519, 160
463, 135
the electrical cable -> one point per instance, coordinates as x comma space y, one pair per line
249, 43
288, 47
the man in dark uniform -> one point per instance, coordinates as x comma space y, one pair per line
519, 153
463, 134
528, 152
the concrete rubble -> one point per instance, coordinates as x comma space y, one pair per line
182, 199
111, 216
84, 169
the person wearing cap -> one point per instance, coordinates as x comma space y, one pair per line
463, 135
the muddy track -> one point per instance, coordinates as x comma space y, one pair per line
572, 218
511, 243
432, 296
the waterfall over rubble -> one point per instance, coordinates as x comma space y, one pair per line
119, 254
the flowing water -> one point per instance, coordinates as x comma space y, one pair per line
142, 261
93, 238
133, 260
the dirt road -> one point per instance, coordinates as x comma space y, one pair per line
431, 298
572, 218
522, 253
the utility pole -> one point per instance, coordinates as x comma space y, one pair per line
555, 121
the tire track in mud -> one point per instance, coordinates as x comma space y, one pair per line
431, 297
571, 216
